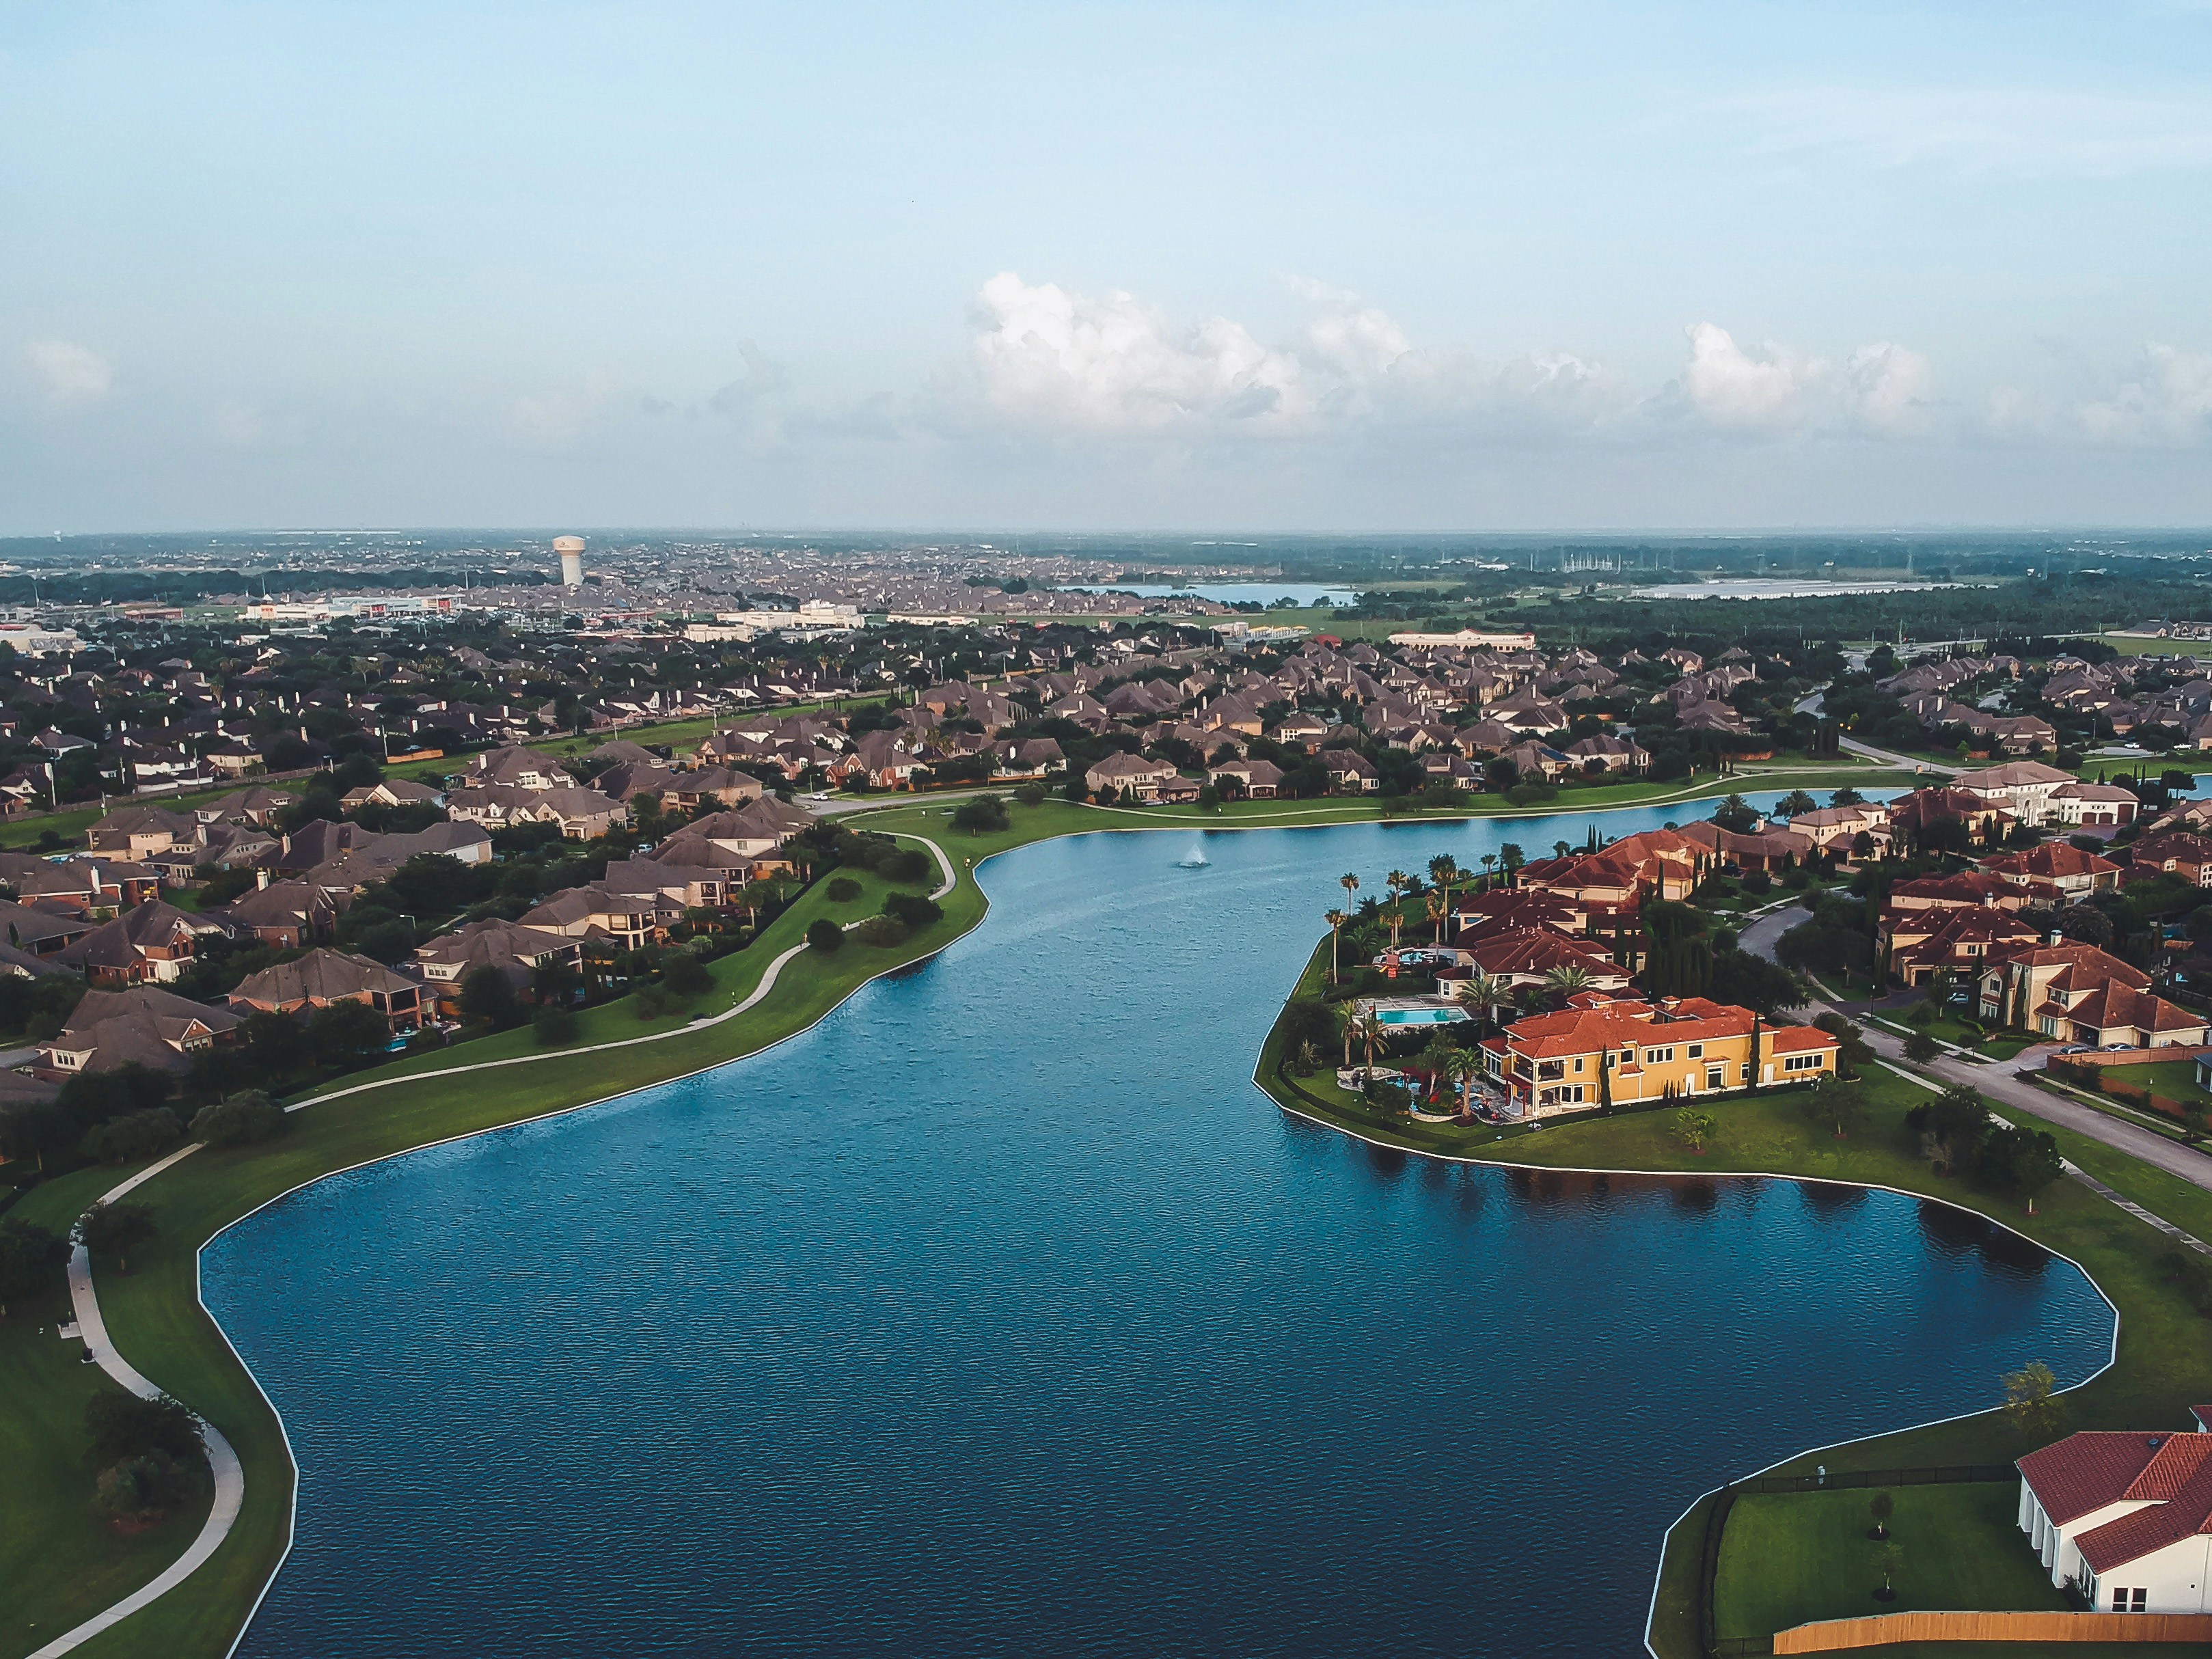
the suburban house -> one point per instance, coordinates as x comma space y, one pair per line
2123, 1518
1598, 1049
632, 921
393, 792
1836, 828
2075, 993
283, 915
155, 942
1141, 777
1918, 944
516, 951
1254, 780
1764, 849
41, 931
694, 887
324, 976
2023, 788
133, 832
745, 842
2093, 805
157, 1028
2056, 873
2174, 853
1527, 956
517, 768
582, 814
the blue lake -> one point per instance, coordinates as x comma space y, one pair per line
1001, 1314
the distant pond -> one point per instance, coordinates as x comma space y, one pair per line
1001, 1315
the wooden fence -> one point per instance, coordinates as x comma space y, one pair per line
1883, 1629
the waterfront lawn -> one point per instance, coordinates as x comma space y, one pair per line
1792, 1557
155, 1317
2165, 1346
59, 1562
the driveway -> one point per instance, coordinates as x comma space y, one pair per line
1812, 705
2002, 1081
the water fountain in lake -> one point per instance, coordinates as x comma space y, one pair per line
1195, 858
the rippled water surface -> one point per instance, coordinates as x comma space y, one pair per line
1001, 1315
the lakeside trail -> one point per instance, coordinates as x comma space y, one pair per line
229, 1475
230, 1482
230, 1472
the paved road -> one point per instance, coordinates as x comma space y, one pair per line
1812, 705
2000, 1082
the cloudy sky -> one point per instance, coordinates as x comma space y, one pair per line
1276, 266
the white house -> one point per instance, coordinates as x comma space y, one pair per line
2023, 788
2125, 1517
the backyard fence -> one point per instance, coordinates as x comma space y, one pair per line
1881, 1630
2096, 1079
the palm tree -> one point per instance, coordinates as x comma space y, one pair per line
1437, 1059
1465, 1067
1569, 978
1336, 919
1434, 903
1350, 882
1443, 870
1488, 859
1487, 992
1396, 882
1509, 859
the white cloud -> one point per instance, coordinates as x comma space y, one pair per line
2169, 400
1889, 387
2013, 131
1115, 365
72, 374
1733, 389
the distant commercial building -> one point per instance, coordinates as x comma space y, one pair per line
353, 607
571, 550
815, 618
1470, 638
31, 639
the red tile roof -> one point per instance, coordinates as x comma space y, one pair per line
2084, 1471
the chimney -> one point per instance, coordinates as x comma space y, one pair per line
2053, 936
261, 877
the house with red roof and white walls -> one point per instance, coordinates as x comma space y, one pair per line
2124, 1518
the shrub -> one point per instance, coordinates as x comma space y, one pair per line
912, 910
142, 1489
882, 932
1030, 795
982, 815
907, 864
650, 1002
488, 994
825, 936
553, 1025
247, 1117
685, 977
132, 1138
1758, 883
842, 890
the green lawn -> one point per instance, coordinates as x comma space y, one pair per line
2165, 1349
2174, 1079
58, 1571
1789, 1559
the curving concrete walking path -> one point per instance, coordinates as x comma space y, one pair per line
766, 984
229, 1476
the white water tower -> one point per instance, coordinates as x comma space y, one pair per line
571, 550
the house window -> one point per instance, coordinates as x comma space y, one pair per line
1696, 1051
1716, 1077
1804, 1062
1658, 1056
